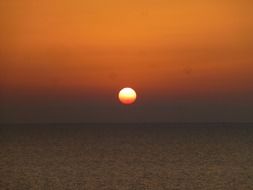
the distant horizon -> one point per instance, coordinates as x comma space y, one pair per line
123, 123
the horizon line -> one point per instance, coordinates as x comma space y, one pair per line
123, 123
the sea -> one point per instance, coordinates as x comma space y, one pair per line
129, 156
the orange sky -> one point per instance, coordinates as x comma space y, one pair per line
174, 49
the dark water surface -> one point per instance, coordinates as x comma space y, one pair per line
126, 156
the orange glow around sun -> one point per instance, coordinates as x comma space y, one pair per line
127, 95
163, 48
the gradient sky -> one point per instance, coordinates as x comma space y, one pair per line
65, 61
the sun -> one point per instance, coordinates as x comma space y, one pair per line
127, 95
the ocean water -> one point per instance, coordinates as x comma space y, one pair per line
126, 156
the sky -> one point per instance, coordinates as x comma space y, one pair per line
65, 61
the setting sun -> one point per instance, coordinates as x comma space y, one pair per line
127, 95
